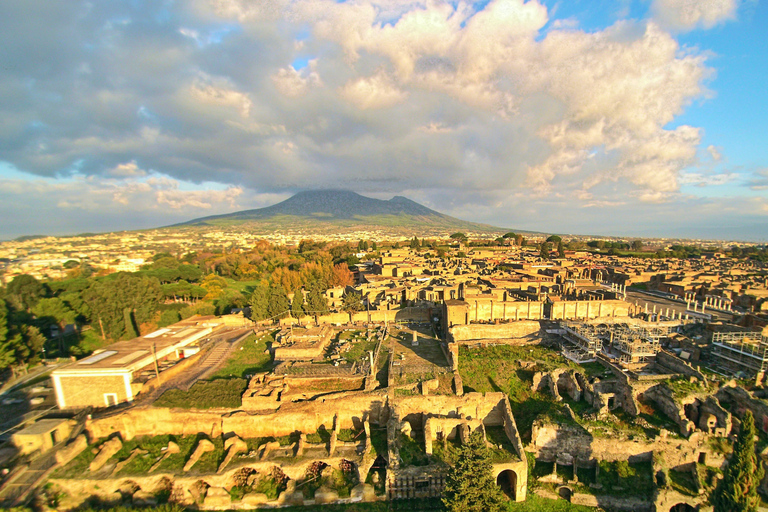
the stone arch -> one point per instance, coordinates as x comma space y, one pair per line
683, 507
565, 492
507, 480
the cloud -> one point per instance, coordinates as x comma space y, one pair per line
377, 91
457, 99
760, 180
690, 14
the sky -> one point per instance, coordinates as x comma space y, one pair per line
628, 118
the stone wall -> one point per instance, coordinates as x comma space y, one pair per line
588, 309
501, 333
351, 409
673, 363
550, 441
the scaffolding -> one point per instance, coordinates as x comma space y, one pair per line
637, 344
746, 352
584, 339
630, 344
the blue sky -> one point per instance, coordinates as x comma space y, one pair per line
635, 118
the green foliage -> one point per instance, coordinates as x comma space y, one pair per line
352, 302
297, 304
224, 393
108, 298
259, 301
252, 357
278, 305
412, 451
738, 489
24, 291
168, 317
554, 239
316, 303
469, 485
461, 237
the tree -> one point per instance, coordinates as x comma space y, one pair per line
737, 491
415, 243
560, 250
259, 301
459, 236
637, 245
544, 251
278, 302
24, 291
509, 235
341, 276
352, 302
554, 239
297, 304
470, 486
316, 303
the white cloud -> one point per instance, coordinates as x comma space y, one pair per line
293, 83
377, 91
690, 14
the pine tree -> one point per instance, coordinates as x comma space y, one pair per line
258, 302
278, 302
470, 486
737, 491
297, 304
560, 249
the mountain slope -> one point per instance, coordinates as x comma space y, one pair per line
342, 208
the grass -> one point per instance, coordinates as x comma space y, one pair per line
683, 387
360, 345
251, 357
683, 482
412, 451
220, 393
379, 441
497, 436
534, 503
625, 478
349, 435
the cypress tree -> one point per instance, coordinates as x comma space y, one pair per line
470, 486
737, 491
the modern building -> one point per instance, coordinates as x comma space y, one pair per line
117, 373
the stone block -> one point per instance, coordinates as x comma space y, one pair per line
364, 492
144, 499
254, 498
325, 495
65, 455
108, 449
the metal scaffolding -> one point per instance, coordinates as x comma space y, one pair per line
745, 352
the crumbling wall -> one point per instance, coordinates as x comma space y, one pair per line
740, 400
674, 364
663, 398
351, 409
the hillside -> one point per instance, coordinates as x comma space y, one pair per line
343, 209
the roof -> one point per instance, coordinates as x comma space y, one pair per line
41, 427
131, 355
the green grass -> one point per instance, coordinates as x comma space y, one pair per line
624, 478
225, 393
683, 482
251, 357
497, 436
682, 387
412, 451
349, 435
534, 503
379, 441
360, 344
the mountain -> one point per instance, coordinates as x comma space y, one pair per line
330, 209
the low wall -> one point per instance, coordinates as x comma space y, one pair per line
677, 365
500, 332
573, 310
351, 409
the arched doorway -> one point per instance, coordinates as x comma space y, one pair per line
507, 480
565, 493
682, 507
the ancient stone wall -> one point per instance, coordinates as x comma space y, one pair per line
351, 409
673, 363
499, 333
588, 309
